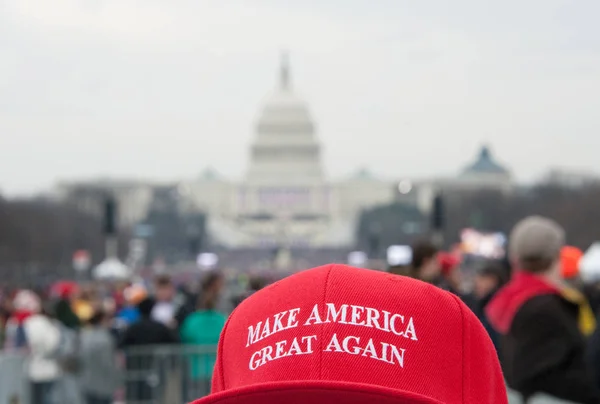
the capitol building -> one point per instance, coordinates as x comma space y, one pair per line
284, 196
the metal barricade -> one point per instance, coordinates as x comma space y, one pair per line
162, 374
14, 383
167, 374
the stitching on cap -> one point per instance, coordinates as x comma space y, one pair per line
462, 319
322, 326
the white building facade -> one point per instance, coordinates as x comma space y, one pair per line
285, 197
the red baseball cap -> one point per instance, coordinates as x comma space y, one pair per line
355, 336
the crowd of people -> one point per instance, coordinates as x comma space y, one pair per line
539, 314
540, 317
73, 331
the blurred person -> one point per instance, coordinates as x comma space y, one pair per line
25, 304
204, 326
147, 331
425, 265
82, 304
129, 313
255, 283
569, 263
64, 306
452, 277
310, 338
67, 389
99, 375
5, 314
165, 306
488, 280
541, 321
450, 271
186, 302
43, 340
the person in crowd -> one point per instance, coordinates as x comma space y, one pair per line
165, 308
489, 278
143, 333
255, 283
542, 323
130, 313
147, 331
450, 272
83, 303
67, 389
569, 263
64, 311
5, 314
204, 326
186, 302
99, 374
338, 334
43, 339
25, 304
425, 264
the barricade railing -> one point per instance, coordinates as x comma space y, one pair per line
161, 374
14, 383
167, 373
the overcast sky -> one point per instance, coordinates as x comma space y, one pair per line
161, 89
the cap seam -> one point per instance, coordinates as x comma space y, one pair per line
322, 326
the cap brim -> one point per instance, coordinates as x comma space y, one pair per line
302, 392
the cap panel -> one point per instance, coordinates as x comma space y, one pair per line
341, 326
409, 339
265, 338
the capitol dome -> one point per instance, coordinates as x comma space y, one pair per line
283, 110
485, 164
285, 147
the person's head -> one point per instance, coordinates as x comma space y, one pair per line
27, 301
450, 269
341, 334
210, 291
98, 319
488, 278
134, 294
535, 244
257, 283
164, 289
145, 307
425, 265
569, 262
212, 281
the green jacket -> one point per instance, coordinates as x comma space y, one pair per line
202, 328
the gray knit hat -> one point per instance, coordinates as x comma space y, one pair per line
536, 237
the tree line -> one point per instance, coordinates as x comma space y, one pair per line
38, 237
576, 209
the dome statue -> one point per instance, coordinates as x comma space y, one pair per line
283, 109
